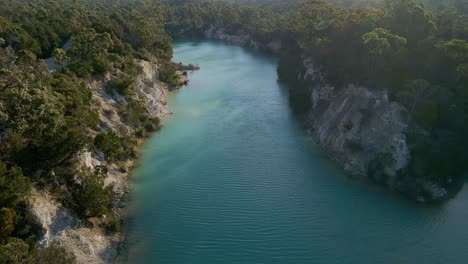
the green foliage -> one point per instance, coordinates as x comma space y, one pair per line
122, 85
455, 49
410, 19
167, 73
418, 55
113, 224
89, 52
59, 56
16, 251
114, 146
14, 186
153, 124
46, 118
381, 41
41, 112
55, 254
7, 222
91, 196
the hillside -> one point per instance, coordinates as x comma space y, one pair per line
382, 90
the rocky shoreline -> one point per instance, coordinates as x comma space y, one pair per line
360, 128
89, 241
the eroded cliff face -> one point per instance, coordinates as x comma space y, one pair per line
359, 127
364, 132
86, 239
243, 39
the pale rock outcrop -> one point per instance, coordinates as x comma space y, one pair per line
93, 244
89, 245
365, 132
243, 39
359, 127
151, 91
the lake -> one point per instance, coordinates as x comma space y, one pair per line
233, 178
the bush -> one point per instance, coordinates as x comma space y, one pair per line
55, 254
113, 224
7, 224
101, 66
91, 196
122, 86
167, 73
81, 70
114, 146
135, 114
16, 251
13, 185
110, 144
152, 124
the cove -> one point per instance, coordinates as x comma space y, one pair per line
232, 178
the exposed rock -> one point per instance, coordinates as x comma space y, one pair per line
219, 34
54, 66
93, 244
435, 192
151, 91
90, 245
365, 132
243, 39
357, 126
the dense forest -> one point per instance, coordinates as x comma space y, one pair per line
291, 5
418, 52
46, 117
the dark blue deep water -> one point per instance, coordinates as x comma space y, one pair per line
232, 178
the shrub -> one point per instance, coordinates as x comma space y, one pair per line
110, 144
122, 86
17, 251
167, 73
7, 224
55, 254
91, 196
113, 224
13, 185
152, 124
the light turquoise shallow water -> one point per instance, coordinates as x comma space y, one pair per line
232, 178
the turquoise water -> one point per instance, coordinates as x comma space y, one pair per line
232, 178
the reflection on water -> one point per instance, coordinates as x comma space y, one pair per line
232, 178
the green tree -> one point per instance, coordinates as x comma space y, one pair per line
420, 98
455, 49
16, 251
410, 19
55, 254
382, 42
91, 196
383, 48
13, 185
89, 52
7, 222
59, 56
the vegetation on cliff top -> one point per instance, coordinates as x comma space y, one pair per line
46, 118
417, 54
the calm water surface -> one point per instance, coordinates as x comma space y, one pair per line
232, 178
